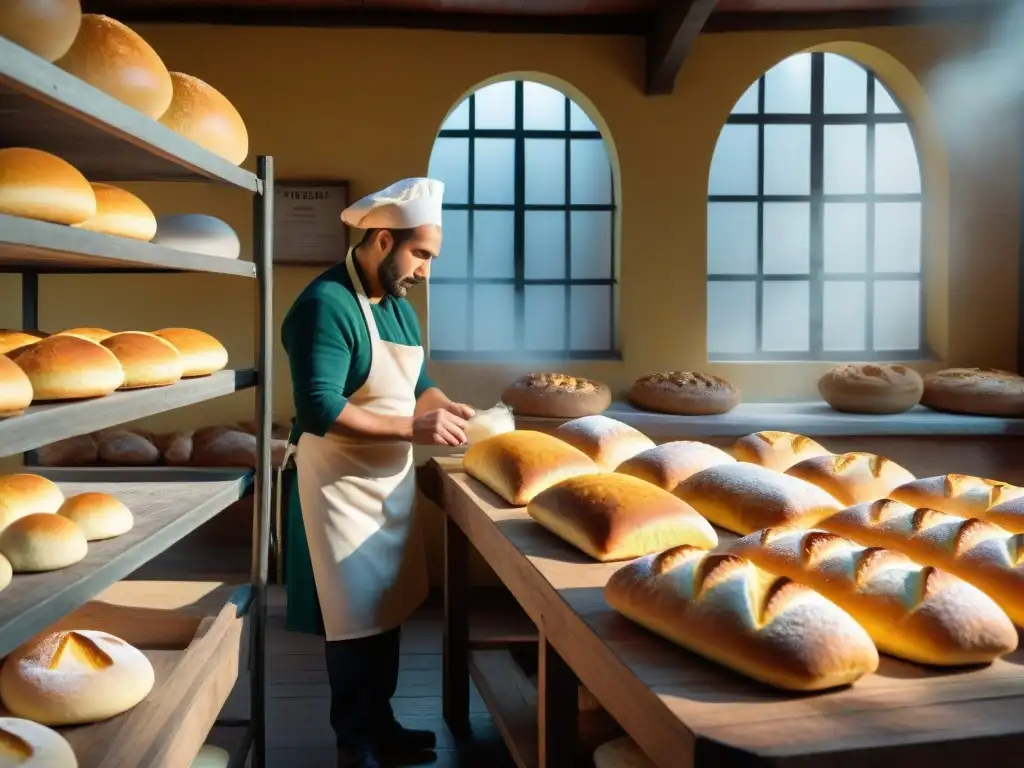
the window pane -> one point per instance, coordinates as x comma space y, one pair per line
494, 317
885, 104
897, 237
747, 105
544, 317
897, 315
449, 162
846, 159
543, 108
732, 238
544, 245
591, 172
734, 163
493, 171
545, 171
591, 245
590, 317
454, 256
844, 309
786, 316
493, 244
446, 307
896, 167
845, 237
846, 86
787, 238
496, 106
787, 159
787, 86
578, 120
731, 324
458, 119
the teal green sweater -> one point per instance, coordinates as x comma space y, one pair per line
328, 346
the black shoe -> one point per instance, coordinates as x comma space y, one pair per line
396, 739
357, 757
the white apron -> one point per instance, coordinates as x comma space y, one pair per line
357, 499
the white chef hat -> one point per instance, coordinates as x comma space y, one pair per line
405, 204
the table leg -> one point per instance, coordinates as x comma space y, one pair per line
557, 709
455, 681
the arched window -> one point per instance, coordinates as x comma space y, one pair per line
527, 267
815, 220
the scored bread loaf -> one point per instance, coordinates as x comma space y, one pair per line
669, 464
42, 542
963, 495
25, 744
121, 214
1009, 515
37, 185
556, 395
975, 391
520, 464
99, 515
980, 553
11, 340
776, 450
69, 368
607, 442
617, 517
915, 612
24, 494
201, 353
147, 360
852, 478
122, 447
746, 497
726, 609
202, 114
871, 388
622, 752
684, 393
15, 389
45, 27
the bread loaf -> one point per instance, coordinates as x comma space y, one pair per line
78, 451
1008, 515
176, 448
684, 393
963, 495
980, 553
200, 113
45, 27
852, 478
724, 608
211, 756
75, 677
556, 395
37, 185
745, 497
606, 441
15, 389
519, 465
6, 572
112, 58
223, 447
198, 234
201, 354
99, 515
123, 448
42, 542
975, 391
621, 753
915, 612
11, 340
776, 450
92, 334
120, 213
617, 517
69, 368
147, 360
23, 494
669, 464
24, 744
871, 388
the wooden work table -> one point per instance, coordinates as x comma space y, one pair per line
681, 709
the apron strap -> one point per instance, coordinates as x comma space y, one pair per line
286, 463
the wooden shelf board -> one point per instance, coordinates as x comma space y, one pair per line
512, 701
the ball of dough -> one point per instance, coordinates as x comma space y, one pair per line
24, 744
42, 542
45, 27
99, 515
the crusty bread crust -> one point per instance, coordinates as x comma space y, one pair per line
556, 395
684, 393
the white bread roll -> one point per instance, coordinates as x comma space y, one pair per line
11, 340
120, 213
871, 388
669, 464
69, 368
99, 515
744, 498
556, 395
24, 744
37, 185
23, 494
211, 756
42, 542
852, 478
45, 27
607, 442
197, 233
617, 517
112, 58
621, 753
201, 353
911, 611
724, 608
518, 465
147, 360
201, 113
92, 334
78, 451
684, 393
963, 495
1009, 515
6, 572
980, 553
776, 450
124, 448
75, 677
15, 389
975, 391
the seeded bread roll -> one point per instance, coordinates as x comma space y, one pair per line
621, 753
1008, 515
684, 393
963, 495
42, 542
23, 494
556, 395
99, 515
93, 334
147, 360
30, 745
606, 441
723, 607
669, 464
78, 451
776, 450
201, 353
911, 611
975, 391
518, 465
871, 388
11, 340
852, 478
15, 389
69, 368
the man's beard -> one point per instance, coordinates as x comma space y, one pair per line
391, 283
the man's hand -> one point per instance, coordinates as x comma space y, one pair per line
461, 410
440, 427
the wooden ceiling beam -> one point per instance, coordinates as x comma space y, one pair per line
676, 26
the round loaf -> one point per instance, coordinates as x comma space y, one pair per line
11, 340
45, 27
669, 464
15, 389
201, 353
92, 334
37, 185
75, 677
201, 113
871, 388
99, 515
120, 213
6, 572
42, 542
199, 234
852, 478
125, 448
69, 368
684, 393
621, 753
147, 360
556, 395
112, 58
776, 450
223, 447
211, 756
78, 451
23, 494
975, 391
25, 744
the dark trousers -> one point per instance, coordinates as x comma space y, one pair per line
363, 674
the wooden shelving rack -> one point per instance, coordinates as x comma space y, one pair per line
45, 108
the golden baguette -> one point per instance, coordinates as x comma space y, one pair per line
852, 478
963, 495
1008, 515
776, 450
918, 613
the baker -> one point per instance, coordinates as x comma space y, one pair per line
356, 565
